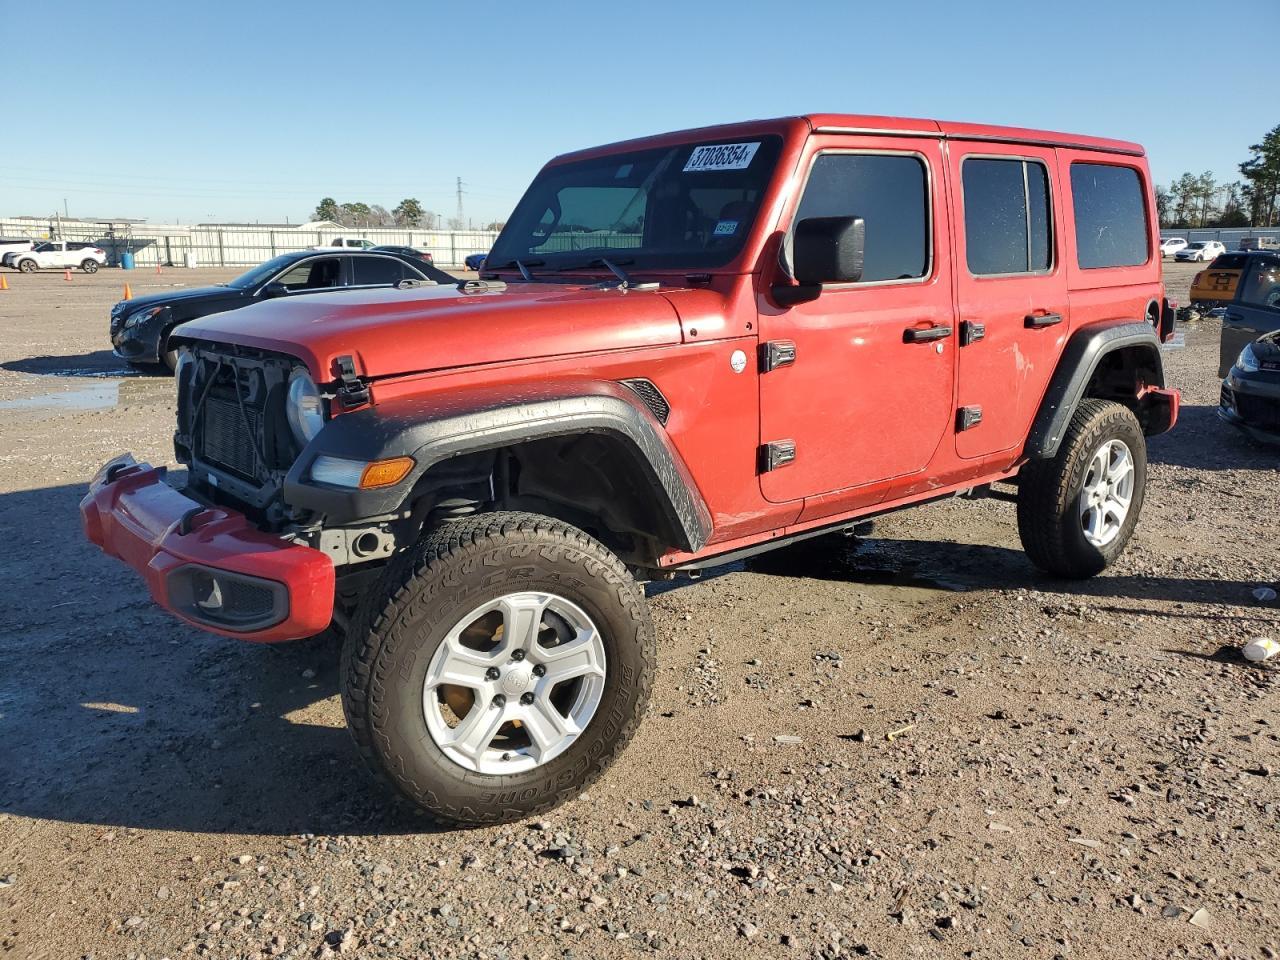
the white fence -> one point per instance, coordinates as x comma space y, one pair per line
217, 246
1229, 236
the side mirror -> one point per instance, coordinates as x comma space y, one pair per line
825, 250
274, 290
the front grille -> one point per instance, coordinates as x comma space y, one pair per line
227, 441
1258, 411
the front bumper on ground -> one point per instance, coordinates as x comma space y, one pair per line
210, 566
1251, 406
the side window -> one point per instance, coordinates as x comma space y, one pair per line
1261, 287
1007, 216
1111, 216
890, 193
336, 243
370, 271
311, 275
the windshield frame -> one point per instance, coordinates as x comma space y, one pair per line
664, 158
256, 277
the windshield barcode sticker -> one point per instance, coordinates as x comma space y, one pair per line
721, 156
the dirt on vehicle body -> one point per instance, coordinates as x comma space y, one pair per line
684, 350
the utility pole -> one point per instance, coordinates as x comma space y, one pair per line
459, 215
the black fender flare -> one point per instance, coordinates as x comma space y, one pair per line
1080, 358
438, 427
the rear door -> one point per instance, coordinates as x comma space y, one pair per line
1011, 289
1255, 310
864, 391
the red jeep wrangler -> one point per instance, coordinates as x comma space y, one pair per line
684, 349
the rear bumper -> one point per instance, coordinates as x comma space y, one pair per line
209, 566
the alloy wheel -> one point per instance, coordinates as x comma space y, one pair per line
1107, 493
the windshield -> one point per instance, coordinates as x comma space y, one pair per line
687, 206
1195, 246
261, 272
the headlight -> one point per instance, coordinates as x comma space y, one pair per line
136, 318
1248, 360
305, 408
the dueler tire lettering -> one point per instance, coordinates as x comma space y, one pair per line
424, 593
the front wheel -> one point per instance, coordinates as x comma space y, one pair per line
89, 266
27, 266
1077, 511
507, 662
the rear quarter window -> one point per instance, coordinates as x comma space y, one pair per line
1110, 216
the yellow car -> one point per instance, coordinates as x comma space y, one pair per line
1215, 286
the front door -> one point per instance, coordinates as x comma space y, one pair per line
1011, 289
868, 396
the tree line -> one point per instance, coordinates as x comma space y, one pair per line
405, 214
1201, 201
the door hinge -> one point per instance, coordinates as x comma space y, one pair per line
352, 391
777, 353
967, 418
776, 454
971, 332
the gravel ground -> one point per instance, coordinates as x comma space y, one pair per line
907, 746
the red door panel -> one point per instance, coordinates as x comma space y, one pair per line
1012, 304
864, 401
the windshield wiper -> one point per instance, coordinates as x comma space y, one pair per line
521, 265
613, 266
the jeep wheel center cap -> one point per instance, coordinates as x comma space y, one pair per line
517, 678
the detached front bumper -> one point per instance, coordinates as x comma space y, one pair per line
209, 566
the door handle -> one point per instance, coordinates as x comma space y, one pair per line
925, 335
1035, 320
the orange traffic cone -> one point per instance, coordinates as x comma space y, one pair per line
4, 282
67, 276
157, 268
128, 294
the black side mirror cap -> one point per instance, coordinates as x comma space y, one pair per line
829, 250
274, 290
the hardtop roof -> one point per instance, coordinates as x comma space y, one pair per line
871, 124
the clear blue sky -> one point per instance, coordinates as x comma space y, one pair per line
254, 111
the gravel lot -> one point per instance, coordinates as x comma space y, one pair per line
1080, 770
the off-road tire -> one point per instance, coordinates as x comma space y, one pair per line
89, 266
26, 266
1049, 493
423, 594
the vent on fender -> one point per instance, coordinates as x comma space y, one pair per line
652, 397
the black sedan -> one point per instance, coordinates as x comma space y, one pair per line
140, 327
411, 252
1250, 360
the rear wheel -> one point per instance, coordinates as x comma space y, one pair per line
89, 266
506, 663
1077, 511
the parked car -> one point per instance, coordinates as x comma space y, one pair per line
1200, 250
1251, 390
1248, 243
58, 254
781, 328
141, 328
474, 261
10, 245
1215, 286
1254, 310
1249, 360
411, 252
346, 243
1172, 245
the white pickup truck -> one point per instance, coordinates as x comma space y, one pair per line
58, 254
346, 243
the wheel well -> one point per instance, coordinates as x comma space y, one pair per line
596, 481
1121, 375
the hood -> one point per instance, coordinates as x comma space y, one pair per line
392, 331
177, 296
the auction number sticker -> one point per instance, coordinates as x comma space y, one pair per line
721, 156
